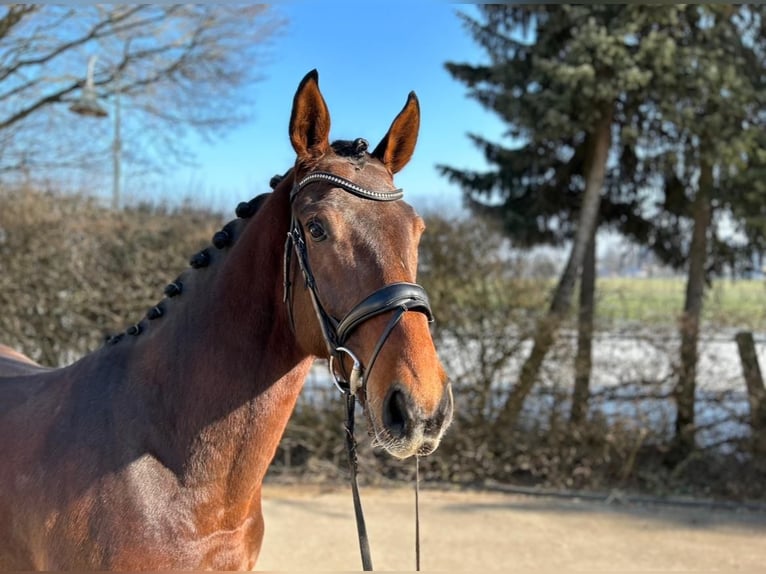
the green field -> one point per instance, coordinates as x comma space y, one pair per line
738, 304
620, 301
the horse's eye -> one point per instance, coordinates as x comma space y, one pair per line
316, 231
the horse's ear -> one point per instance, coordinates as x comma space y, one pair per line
396, 148
310, 119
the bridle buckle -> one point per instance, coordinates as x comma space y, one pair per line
355, 381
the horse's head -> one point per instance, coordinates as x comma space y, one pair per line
356, 244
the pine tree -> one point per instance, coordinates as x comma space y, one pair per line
563, 78
640, 117
713, 123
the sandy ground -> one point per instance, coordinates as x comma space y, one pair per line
309, 528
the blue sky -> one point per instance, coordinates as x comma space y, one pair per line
369, 56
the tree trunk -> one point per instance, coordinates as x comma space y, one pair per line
583, 360
756, 391
690, 319
600, 142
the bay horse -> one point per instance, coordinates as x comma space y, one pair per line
150, 452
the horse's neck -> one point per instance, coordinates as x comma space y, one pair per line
219, 373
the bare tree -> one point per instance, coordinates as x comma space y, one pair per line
175, 70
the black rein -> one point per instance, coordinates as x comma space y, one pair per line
395, 297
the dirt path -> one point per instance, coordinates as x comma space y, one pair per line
308, 528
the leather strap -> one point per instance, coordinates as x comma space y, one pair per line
395, 297
347, 185
361, 526
408, 296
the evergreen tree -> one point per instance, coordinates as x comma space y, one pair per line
564, 78
668, 98
712, 115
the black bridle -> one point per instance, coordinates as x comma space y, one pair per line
397, 297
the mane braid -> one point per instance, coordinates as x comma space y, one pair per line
221, 240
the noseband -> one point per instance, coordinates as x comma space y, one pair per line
398, 297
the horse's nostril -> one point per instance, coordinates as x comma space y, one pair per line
396, 414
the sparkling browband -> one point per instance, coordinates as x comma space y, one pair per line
349, 186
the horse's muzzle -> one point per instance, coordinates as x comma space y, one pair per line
407, 430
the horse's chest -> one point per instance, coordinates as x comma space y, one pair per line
235, 549
162, 544
143, 519
188, 533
